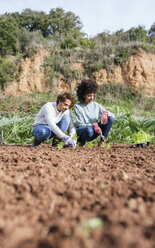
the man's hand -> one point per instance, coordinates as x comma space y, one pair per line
104, 117
97, 128
69, 141
71, 135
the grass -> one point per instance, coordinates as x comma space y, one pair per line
131, 115
24, 105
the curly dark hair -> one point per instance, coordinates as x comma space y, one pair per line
64, 96
87, 86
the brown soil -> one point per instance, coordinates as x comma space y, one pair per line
45, 193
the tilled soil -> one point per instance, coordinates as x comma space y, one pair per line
46, 193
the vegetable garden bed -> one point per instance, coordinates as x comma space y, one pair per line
80, 198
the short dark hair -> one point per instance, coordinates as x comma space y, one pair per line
87, 86
64, 96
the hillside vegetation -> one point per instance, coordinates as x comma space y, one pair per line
60, 32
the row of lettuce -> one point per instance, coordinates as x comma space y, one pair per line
127, 128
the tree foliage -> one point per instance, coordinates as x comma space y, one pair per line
55, 24
152, 30
9, 36
8, 71
64, 23
133, 34
22, 33
137, 34
35, 21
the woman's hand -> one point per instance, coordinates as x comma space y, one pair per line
97, 128
104, 117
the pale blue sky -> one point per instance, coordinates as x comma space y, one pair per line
96, 15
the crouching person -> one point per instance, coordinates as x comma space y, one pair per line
53, 120
92, 119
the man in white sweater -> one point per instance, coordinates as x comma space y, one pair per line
53, 120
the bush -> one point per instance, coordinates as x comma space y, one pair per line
9, 70
31, 41
123, 95
58, 62
9, 36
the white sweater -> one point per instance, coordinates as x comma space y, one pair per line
50, 116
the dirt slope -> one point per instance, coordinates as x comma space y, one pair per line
138, 71
32, 78
46, 193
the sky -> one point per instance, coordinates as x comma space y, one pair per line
97, 16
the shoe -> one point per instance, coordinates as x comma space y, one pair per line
56, 140
36, 142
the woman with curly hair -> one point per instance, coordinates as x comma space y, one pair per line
92, 119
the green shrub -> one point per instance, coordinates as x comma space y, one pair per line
31, 41
58, 62
125, 96
69, 42
9, 70
25, 105
9, 36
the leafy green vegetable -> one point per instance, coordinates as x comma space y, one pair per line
93, 223
90, 144
132, 203
16, 126
141, 137
60, 145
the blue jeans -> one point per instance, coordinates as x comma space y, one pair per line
43, 132
88, 134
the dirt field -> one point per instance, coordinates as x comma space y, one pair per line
46, 193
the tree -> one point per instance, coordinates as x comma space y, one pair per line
35, 21
137, 34
63, 23
56, 24
152, 30
9, 36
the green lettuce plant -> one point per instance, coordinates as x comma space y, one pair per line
93, 223
141, 137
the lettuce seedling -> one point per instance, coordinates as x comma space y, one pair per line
93, 223
141, 137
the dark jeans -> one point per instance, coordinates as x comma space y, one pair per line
43, 132
88, 133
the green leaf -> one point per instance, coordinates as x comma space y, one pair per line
93, 223
141, 137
